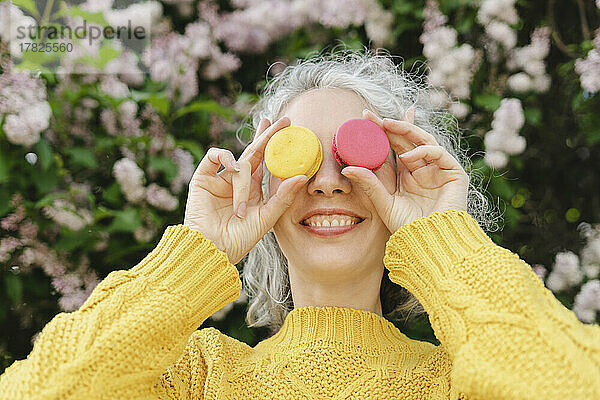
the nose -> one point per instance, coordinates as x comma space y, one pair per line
328, 179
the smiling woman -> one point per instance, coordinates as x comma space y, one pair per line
329, 258
321, 93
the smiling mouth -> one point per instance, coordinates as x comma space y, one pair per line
331, 222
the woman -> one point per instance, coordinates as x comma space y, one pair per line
503, 335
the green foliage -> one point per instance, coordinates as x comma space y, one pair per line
163, 164
126, 220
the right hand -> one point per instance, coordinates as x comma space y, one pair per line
214, 198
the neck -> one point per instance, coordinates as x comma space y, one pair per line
357, 292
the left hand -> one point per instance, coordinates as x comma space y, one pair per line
428, 178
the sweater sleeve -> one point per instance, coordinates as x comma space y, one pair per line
506, 333
129, 339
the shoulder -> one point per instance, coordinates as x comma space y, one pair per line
215, 344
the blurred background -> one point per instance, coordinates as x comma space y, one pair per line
98, 146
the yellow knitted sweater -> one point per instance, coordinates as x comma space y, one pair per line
503, 335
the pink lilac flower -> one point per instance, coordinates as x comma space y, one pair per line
530, 59
74, 287
125, 66
496, 16
7, 246
590, 254
502, 10
66, 214
110, 85
185, 169
566, 272
540, 271
587, 301
24, 106
450, 66
130, 178
108, 119
503, 138
11, 221
144, 14
589, 68
169, 60
160, 197
128, 118
144, 234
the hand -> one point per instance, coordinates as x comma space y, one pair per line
227, 207
428, 178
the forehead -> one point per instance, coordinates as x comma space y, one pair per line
324, 110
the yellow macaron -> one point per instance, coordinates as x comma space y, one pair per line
292, 151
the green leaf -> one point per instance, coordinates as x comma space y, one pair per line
158, 100
71, 240
489, 101
593, 136
209, 106
587, 45
44, 152
161, 103
512, 216
95, 17
5, 195
47, 200
565, 68
104, 143
113, 194
107, 53
465, 25
164, 164
14, 288
401, 7
83, 157
533, 115
194, 148
28, 5
502, 187
45, 180
125, 221
4, 168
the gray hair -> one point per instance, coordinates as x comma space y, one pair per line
389, 91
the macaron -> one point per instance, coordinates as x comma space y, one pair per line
293, 150
361, 143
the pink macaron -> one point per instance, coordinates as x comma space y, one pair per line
361, 143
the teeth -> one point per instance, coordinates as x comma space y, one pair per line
331, 220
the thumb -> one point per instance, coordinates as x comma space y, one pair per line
280, 201
369, 183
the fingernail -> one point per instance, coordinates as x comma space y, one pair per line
242, 210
